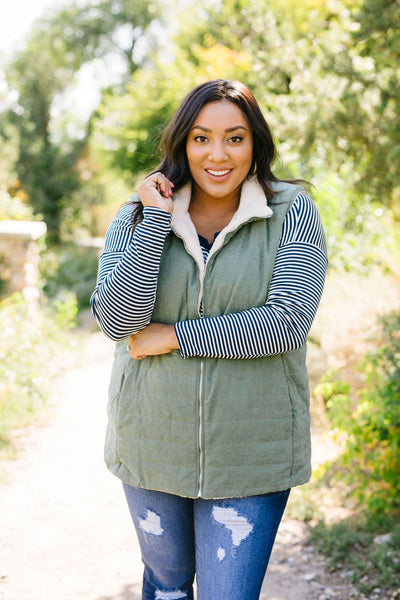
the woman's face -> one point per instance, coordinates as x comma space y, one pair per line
219, 149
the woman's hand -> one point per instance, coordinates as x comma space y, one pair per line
154, 339
156, 191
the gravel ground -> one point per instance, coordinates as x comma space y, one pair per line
65, 531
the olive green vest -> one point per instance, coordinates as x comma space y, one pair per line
211, 427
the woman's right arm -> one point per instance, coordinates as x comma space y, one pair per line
124, 297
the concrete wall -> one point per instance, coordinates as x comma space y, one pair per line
19, 258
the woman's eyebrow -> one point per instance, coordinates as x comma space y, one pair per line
228, 130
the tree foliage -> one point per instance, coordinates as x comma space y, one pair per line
55, 51
327, 78
127, 127
371, 98
325, 73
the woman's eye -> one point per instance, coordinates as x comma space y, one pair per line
200, 138
236, 139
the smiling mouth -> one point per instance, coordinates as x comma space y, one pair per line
218, 173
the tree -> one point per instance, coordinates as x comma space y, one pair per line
371, 98
57, 48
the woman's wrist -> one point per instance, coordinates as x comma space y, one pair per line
173, 339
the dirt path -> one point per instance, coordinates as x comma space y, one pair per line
65, 531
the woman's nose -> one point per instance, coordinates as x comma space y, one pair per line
217, 151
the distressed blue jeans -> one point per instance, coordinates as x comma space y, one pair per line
225, 543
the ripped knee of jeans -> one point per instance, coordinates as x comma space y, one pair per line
239, 526
151, 523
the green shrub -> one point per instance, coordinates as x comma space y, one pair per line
29, 351
70, 268
370, 464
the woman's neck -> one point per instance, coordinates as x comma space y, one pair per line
214, 207
210, 215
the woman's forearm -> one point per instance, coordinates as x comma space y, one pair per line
281, 325
124, 296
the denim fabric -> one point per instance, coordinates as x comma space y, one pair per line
225, 543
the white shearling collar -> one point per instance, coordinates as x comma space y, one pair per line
253, 204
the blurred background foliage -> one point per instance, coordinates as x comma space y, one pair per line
81, 114
325, 73
32, 352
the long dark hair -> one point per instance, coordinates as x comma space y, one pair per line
173, 143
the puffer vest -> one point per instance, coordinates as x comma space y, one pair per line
209, 427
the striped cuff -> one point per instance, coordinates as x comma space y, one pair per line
184, 339
158, 215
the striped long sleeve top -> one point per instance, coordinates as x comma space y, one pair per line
125, 293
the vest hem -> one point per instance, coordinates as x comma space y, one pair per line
121, 471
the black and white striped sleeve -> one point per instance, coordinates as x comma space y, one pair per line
283, 323
124, 297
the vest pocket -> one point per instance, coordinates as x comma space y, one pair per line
297, 381
114, 392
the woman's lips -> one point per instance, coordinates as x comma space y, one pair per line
219, 174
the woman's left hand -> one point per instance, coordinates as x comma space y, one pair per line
154, 339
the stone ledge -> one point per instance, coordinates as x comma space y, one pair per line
26, 230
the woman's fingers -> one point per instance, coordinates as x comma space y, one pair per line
155, 339
163, 184
156, 190
135, 354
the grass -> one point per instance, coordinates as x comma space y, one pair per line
352, 546
349, 539
32, 352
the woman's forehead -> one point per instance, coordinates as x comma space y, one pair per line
220, 113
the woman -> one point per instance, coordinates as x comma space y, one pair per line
214, 272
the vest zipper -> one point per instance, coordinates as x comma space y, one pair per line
200, 310
200, 428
